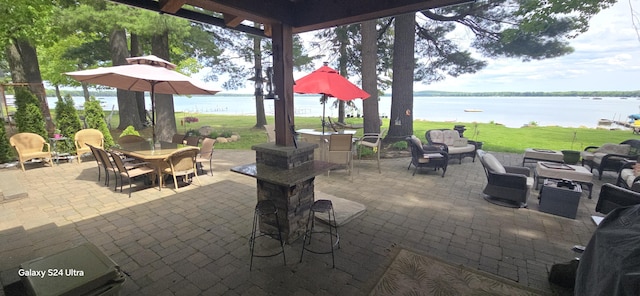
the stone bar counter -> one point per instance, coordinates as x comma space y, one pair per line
285, 175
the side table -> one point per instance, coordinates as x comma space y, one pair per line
561, 201
54, 149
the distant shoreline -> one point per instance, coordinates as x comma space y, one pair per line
621, 94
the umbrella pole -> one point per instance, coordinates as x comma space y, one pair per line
324, 107
153, 112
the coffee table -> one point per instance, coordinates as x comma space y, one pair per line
552, 170
535, 155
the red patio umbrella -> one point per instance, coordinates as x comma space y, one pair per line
329, 83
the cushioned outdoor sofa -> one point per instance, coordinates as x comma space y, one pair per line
609, 156
453, 144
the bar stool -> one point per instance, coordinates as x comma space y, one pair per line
322, 206
265, 208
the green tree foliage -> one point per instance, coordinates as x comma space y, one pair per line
95, 118
28, 115
6, 153
68, 122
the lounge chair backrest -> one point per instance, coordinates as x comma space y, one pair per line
106, 158
117, 161
610, 148
183, 160
448, 137
177, 138
192, 140
340, 142
612, 197
206, 151
26, 143
89, 136
126, 139
491, 163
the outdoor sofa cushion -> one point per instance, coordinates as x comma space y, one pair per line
452, 139
607, 148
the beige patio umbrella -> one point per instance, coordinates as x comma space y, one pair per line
146, 73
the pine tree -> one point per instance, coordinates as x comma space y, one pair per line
67, 122
94, 117
28, 115
6, 153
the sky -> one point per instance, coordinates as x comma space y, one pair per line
606, 58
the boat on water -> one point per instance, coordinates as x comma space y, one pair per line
603, 122
472, 110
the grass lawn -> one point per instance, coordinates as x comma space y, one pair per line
495, 137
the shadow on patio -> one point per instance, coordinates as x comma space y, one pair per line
195, 241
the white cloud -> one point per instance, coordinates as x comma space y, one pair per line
607, 57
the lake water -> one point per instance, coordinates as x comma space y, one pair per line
510, 111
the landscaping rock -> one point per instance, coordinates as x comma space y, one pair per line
221, 140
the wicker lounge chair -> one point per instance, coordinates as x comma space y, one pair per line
31, 146
425, 156
86, 137
506, 185
182, 163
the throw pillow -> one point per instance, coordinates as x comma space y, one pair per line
461, 142
636, 169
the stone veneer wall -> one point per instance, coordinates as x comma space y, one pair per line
293, 211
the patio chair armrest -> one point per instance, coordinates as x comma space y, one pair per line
48, 146
509, 180
617, 156
518, 170
590, 148
442, 146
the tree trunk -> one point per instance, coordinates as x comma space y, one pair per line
342, 69
401, 124
23, 62
128, 109
58, 95
85, 91
261, 118
136, 51
165, 112
369, 77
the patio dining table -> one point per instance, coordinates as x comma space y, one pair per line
153, 154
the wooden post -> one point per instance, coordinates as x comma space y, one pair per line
282, 41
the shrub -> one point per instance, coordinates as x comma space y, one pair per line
129, 130
192, 133
6, 153
226, 134
67, 122
400, 145
214, 135
94, 118
28, 115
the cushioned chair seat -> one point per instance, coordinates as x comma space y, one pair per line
460, 150
628, 177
